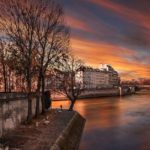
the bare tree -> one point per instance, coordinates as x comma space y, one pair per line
9, 76
53, 38
72, 79
18, 21
5, 65
39, 40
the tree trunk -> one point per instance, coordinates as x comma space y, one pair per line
5, 79
43, 97
9, 81
37, 111
5, 84
72, 105
29, 117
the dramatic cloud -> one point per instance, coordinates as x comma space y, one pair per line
113, 32
127, 13
77, 24
119, 57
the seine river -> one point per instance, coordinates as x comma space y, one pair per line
114, 123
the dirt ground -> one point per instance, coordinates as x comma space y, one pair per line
41, 134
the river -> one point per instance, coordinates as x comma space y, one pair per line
114, 123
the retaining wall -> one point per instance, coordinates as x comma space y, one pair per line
70, 138
13, 110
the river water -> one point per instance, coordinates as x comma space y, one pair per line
114, 123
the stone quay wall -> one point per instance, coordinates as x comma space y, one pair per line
96, 93
70, 138
13, 110
99, 93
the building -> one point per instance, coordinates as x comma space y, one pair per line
114, 78
104, 77
92, 78
54, 80
87, 77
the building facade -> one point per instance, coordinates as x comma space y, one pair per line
88, 78
114, 78
104, 77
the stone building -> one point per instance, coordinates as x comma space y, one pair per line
114, 78
88, 77
93, 78
105, 77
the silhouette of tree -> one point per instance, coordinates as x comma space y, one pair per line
53, 38
39, 40
71, 79
18, 21
4, 64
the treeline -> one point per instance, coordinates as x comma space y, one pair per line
34, 41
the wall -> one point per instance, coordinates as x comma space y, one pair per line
13, 110
95, 93
70, 138
107, 92
99, 93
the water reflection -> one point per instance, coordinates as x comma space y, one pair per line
115, 123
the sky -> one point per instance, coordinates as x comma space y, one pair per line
114, 32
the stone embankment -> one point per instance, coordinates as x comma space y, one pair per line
58, 130
13, 110
95, 93
107, 92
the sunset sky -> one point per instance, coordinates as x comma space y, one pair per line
115, 32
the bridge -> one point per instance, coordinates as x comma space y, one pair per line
143, 87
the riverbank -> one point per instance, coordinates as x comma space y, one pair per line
57, 130
96, 93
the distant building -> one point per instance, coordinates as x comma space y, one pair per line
114, 78
54, 80
88, 77
92, 78
106, 76
14, 83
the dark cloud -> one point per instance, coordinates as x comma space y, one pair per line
125, 24
137, 37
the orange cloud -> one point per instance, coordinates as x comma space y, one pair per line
77, 24
95, 53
